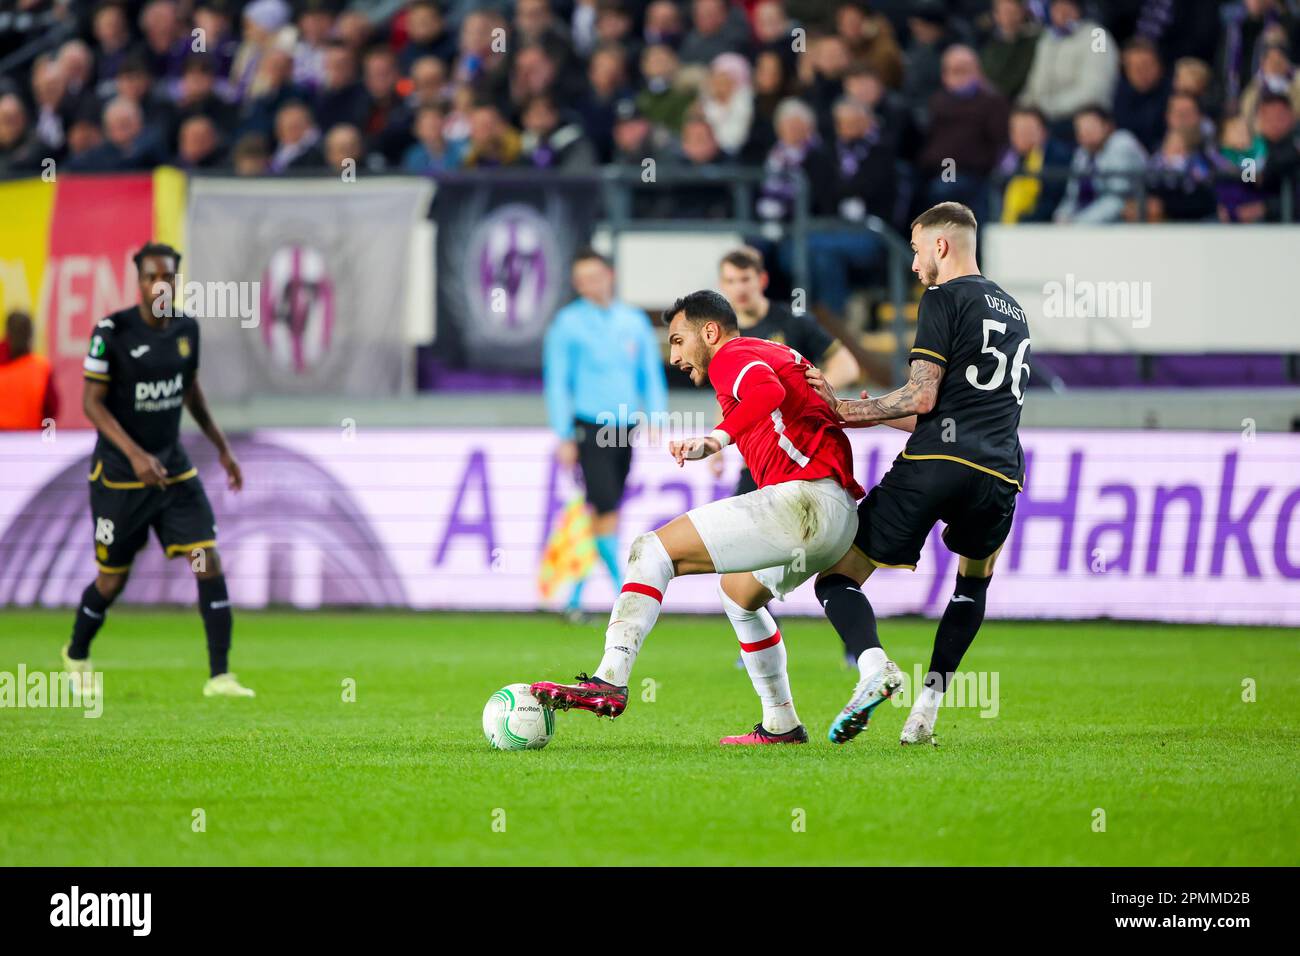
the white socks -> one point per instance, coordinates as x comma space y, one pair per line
763, 651
928, 701
649, 569
870, 661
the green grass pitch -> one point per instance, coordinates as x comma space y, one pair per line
1144, 722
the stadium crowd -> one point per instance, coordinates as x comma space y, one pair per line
1028, 110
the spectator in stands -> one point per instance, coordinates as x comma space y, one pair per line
492, 141
1075, 65
727, 102
427, 36
48, 88
1143, 93
297, 140
774, 32
931, 34
795, 149
251, 155
26, 379
20, 151
614, 26
315, 24
387, 123
607, 85
535, 23
112, 34
870, 40
1008, 53
1027, 195
341, 98
852, 180
637, 138
1180, 182
661, 99
1193, 77
771, 87
77, 64
213, 18
127, 145
262, 22
822, 74
893, 118
165, 42
1183, 115
1247, 24
345, 151
533, 73
1102, 172
276, 86
663, 24
968, 131
1276, 75
428, 82
198, 144
551, 141
716, 28
1276, 121
197, 93
1241, 156
84, 137
698, 152
432, 152
482, 60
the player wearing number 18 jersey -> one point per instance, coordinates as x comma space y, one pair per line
765, 543
963, 464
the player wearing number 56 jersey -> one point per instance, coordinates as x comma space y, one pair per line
963, 464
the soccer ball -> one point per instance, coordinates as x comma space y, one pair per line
514, 720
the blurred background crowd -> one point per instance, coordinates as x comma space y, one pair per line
1028, 110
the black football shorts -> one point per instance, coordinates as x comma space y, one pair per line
605, 466
180, 515
896, 516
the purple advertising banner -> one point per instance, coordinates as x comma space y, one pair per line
1170, 526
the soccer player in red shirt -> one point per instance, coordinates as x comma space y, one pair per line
800, 521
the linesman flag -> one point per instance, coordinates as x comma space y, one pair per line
570, 551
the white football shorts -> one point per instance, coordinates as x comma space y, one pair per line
784, 533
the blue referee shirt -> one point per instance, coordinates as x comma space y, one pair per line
601, 365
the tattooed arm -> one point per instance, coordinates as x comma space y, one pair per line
915, 398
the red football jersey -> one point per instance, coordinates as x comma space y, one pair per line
801, 440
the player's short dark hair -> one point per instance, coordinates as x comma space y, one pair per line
946, 214
1273, 99
155, 249
744, 257
705, 305
587, 252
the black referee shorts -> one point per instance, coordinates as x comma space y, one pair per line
179, 514
896, 516
604, 467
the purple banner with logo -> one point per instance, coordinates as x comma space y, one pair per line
504, 249
1169, 526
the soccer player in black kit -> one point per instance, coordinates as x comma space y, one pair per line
141, 368
963, 465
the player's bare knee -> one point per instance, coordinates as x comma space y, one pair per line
745, 590
111, 585
206, 563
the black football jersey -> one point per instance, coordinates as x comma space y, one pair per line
799, 332
148, 371
980, 336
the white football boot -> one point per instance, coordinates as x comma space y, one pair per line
81, 674
225, 685
919, 728
870, 693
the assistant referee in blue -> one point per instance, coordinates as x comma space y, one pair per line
601, 366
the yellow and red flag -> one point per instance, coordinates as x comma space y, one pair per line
570, 551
